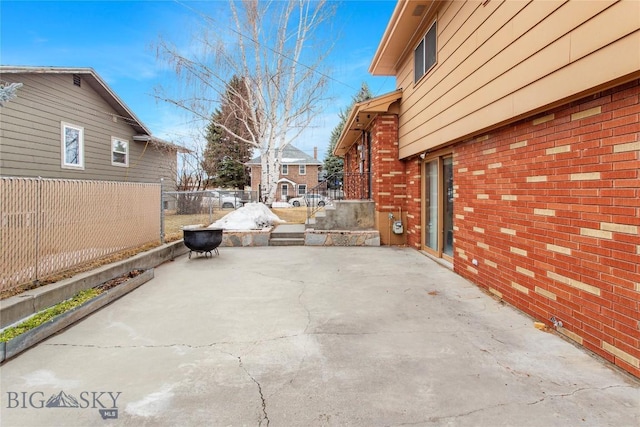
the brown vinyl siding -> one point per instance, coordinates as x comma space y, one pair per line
30, 130
506, 59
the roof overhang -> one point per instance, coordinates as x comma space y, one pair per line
407, 20
360, 118
161, 143
94, 81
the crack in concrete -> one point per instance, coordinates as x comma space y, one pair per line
254, 342
265, 417
306, 328
577, 391
464, 414
302, 291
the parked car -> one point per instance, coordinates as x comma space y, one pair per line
217, 200
310, 200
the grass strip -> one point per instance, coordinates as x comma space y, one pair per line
48, 314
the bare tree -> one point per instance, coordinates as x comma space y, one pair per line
8, 91
271, 49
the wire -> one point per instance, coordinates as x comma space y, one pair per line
206, 18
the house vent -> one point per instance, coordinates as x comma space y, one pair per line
418, 10
76, 80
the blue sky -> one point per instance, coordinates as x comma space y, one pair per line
117, 39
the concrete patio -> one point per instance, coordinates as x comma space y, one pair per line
312, 336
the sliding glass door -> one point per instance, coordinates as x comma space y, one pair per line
431, 205
438, 206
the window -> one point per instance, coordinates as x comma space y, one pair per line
302, 189
302, 169
72, 146
285, 169
285, 191
425, 54
119, 152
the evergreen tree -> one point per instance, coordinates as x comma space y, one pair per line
278, 50
225, 154
334, 165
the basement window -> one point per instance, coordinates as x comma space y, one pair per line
424, 56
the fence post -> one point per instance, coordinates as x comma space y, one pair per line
37, 225
211, 207
161, 211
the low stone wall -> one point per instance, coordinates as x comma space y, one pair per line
341, 238
231, 238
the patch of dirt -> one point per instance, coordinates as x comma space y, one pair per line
118, 280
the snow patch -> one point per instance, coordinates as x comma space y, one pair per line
252, 216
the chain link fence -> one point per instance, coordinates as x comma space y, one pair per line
182, 208
48, 226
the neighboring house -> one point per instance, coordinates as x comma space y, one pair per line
299, 173
511, 151
67, 123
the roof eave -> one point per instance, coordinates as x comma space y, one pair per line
354, 126
95, 81
397, 37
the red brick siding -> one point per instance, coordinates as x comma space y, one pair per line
414, 202
311, 179
553, 218
389, 188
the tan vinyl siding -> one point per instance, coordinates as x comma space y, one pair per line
501, 61
30, 130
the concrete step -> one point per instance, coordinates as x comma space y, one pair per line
287, 235
286, 241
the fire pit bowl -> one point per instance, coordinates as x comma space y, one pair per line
203, 240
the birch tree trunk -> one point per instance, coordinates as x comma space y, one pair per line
272, 49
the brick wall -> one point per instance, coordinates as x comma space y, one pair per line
310, 178
550, 209
389, 188
413, 202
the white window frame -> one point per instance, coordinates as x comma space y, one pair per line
302, 169
420, 70
284, 169
65, 163
302, 189
114, 141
